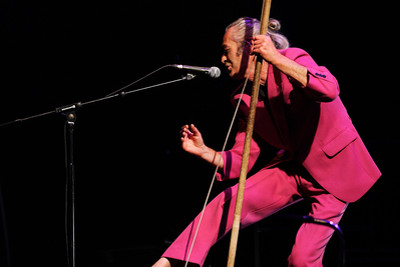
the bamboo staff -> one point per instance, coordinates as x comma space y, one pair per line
249, 134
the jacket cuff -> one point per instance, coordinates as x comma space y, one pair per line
321, 85
227, 159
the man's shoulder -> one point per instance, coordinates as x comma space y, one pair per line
293, 52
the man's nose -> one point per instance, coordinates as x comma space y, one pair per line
224, 59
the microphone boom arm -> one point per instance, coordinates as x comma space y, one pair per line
76, 105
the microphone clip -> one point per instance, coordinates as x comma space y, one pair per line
189, 76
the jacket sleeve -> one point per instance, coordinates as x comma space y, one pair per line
322, 86
233, 157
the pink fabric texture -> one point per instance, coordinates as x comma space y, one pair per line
321, 157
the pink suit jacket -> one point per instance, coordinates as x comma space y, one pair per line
311, 125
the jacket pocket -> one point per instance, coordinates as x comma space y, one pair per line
340, 142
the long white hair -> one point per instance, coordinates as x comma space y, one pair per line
247, 27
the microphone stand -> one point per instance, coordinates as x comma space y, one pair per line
73, 106
69, 112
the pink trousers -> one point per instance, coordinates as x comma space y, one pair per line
265, 193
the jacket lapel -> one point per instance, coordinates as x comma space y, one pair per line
275, 104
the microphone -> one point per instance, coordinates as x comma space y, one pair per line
213, 72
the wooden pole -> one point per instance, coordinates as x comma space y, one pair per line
249, 134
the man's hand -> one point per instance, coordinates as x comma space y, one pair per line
192, 142
264, 46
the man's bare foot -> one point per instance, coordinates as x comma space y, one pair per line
163, 262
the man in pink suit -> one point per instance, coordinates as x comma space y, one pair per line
320, 155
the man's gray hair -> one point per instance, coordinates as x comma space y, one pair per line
247, 27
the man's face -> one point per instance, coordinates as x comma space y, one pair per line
234, 57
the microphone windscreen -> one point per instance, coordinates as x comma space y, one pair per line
214, 72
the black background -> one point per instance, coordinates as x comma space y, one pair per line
135, 188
